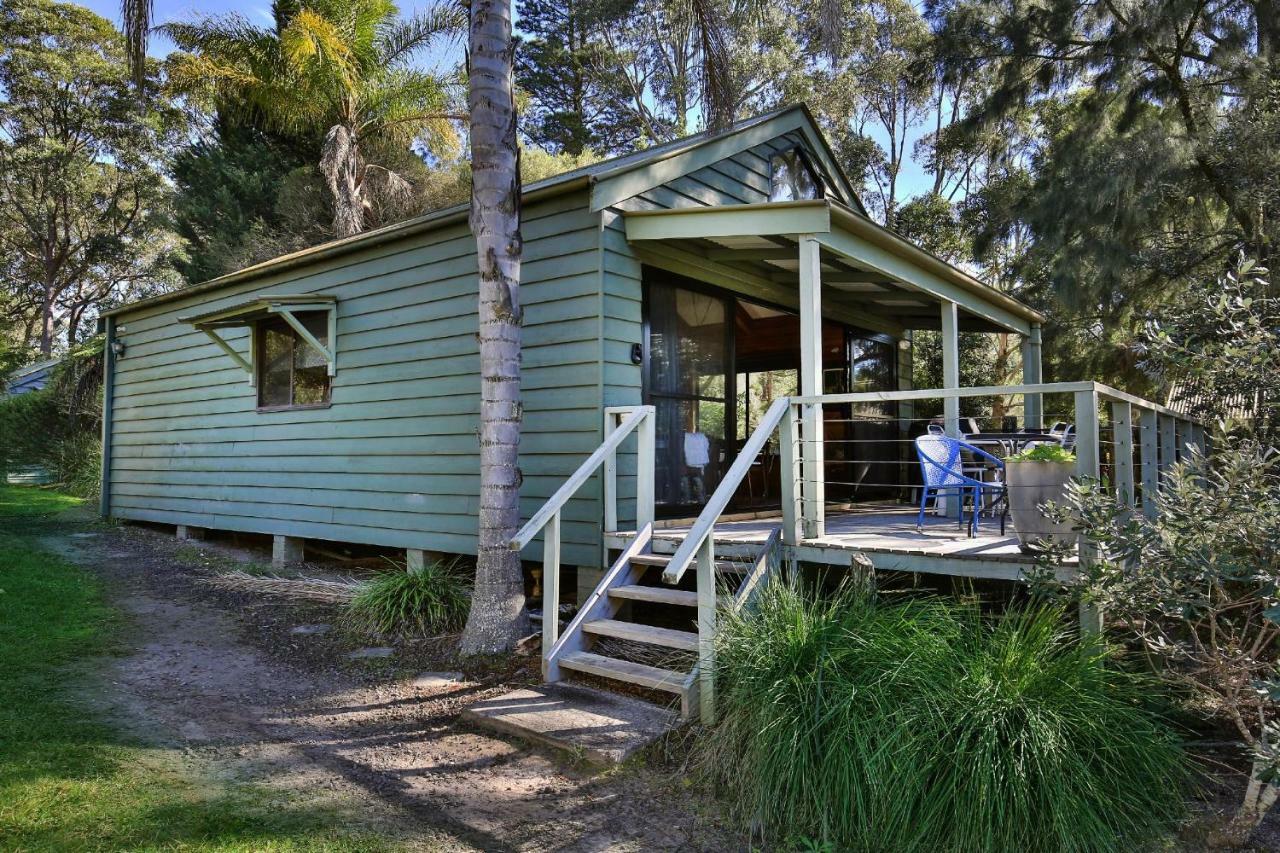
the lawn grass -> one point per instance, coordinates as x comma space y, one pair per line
68, 781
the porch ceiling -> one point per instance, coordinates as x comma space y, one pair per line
869, 275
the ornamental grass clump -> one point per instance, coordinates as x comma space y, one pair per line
433, 600
923, 725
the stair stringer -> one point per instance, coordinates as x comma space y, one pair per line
598, 605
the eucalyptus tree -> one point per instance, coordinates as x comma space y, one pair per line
82, 194
341, 67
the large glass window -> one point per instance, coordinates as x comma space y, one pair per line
291, 372
688, 354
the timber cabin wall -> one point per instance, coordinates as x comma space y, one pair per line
394, 460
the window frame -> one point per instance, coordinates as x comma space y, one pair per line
276, 322
804, 161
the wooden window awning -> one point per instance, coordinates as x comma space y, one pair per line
262, 307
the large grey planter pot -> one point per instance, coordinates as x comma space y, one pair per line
1030, 485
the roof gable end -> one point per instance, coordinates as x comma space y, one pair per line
630, 178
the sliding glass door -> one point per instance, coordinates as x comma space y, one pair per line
689, 350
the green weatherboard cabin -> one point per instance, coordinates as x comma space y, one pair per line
714, 331
333, 393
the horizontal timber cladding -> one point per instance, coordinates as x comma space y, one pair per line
394, 460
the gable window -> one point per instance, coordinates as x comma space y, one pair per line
791, 178
291, 373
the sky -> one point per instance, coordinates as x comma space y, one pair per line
912, 180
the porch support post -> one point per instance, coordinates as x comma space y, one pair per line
951, 380
1088, 465
1122, 441
1168, 445
1150, 450
951, 366
1032, 374
813, 476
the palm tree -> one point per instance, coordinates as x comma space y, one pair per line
340, 67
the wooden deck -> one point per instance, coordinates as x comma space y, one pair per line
886, 534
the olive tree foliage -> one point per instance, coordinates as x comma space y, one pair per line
1197, 588
1197, 584
1221, 350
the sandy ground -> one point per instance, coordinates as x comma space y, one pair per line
225, 679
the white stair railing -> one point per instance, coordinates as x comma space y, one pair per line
625, 420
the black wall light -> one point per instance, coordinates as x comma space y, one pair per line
118, 348
637, 354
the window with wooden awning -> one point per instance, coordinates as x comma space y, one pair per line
292, 345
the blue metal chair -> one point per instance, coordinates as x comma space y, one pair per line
942, 469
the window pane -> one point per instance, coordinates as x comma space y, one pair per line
310, 369
274, 372
701, 333
790, 177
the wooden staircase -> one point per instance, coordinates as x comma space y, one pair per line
635, 578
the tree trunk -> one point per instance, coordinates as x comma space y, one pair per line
498, 618
1259, 797
343, 170
46, 321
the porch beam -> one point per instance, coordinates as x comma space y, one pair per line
778, 254
733, 220
881, 260
811, 383
750, 284
1032, 374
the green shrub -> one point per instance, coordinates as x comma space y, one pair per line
1043, 453
922, 725
59, 427
432, 601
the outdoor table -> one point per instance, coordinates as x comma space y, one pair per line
1008, 443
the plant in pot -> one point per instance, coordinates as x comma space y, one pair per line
1034, 477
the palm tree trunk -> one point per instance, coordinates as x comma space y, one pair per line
498, 618
343, 170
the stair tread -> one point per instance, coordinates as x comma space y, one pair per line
686, 640
657, 594
661, 560
644, 675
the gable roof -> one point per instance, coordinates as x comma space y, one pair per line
628, 174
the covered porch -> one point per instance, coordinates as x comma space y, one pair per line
840, 486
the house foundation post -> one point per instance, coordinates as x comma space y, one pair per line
286, 550
187, 533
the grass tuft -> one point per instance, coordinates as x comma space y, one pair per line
434, 600
922, 725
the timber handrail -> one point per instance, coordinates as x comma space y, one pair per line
576, 481
1106, 392
719, 500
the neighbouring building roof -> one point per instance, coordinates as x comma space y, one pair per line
32, 377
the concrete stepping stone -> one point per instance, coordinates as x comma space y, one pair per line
603, 727
311, 629
372, 652
436, 680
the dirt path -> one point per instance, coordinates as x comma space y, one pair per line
222, 679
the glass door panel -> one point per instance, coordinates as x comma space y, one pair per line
688, 357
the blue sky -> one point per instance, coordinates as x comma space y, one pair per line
911, 181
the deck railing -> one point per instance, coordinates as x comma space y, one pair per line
1143, 440
619, 422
